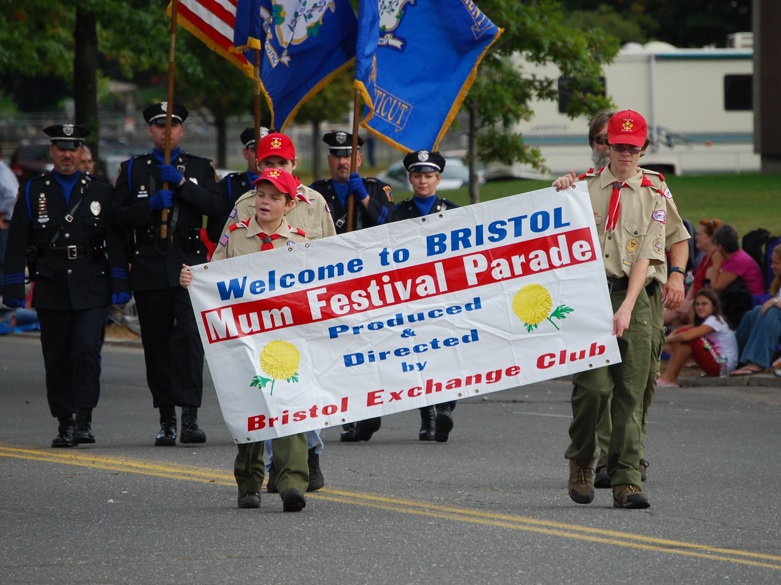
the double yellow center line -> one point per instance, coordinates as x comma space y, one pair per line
412, 507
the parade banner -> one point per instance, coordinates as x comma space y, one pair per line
414, 313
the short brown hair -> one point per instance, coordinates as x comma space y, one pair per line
599, 121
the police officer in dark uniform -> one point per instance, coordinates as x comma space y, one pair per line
373, 198
373, 206
425, 173
78, 265
147, 191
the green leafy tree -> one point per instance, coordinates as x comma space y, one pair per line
503, 93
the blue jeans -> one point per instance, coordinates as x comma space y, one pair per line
758, 336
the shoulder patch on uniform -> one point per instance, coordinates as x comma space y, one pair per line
660, 215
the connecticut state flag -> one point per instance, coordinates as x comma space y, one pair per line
415, 63
304, 44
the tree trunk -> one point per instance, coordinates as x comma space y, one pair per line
85, 67
474, 182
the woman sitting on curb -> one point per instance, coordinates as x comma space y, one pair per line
760, 329
707, 342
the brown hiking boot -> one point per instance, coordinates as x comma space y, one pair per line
629, 496
581, 481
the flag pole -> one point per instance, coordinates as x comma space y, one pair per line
354, 157
257, 98
169, 111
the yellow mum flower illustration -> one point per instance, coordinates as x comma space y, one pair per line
280, 360
532, 305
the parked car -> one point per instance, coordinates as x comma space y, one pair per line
455, 175
30, 159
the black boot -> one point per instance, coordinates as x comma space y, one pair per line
271, 486
166, 437
84, 426
316, 479
427, 416
444, 423
366, 428
191, 432
66, 430
349, 433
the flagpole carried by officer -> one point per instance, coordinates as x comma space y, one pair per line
78, 266
172, 348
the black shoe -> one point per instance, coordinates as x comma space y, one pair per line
271, 486
316, 479
366, 428
166, 436
602, 479
428, 414
360, 431
444, 423
83, 426
66, 430
191, 432
293, 500
249, 499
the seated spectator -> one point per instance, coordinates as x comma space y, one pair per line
734, 275
706, 342
704, 242
760, 329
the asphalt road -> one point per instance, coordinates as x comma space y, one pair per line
489, 506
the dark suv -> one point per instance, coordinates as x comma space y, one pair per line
31, 159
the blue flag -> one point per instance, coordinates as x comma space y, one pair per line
304, 43
416, 76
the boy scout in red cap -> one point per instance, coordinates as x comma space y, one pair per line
275, 193
630, 216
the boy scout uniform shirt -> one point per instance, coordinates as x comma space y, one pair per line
313, 218
640, 232
243, 238
675, 231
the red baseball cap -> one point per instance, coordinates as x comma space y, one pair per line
276, 144
627, 127
282, 180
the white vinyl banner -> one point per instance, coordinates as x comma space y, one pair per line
414, 313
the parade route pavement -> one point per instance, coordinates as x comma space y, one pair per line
489, 506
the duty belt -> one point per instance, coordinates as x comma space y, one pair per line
62, 252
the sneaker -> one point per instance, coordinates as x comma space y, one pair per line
249, 499
581, 481
644, 469
271, 486
629, 496
316, 479
602, 479
293, 500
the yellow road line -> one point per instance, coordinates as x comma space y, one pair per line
404, 506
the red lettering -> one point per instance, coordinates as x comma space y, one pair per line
255, 423
374, 398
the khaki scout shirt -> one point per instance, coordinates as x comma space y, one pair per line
243, 239
314, 218
675, 231
640, 233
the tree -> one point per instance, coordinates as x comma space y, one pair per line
502, 94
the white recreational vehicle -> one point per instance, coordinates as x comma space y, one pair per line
698, 104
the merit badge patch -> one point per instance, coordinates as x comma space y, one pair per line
660, 216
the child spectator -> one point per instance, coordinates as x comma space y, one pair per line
709, 340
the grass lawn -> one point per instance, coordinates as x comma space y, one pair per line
747, 201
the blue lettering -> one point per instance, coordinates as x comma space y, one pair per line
235, 288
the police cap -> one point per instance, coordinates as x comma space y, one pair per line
156, 113
247, 137
67, 136
340, 143
424, 161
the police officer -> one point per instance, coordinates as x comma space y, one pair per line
425, 173
373, 198
162, 208
373, 206
78, 265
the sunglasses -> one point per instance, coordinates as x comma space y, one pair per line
622, 148
601, 139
